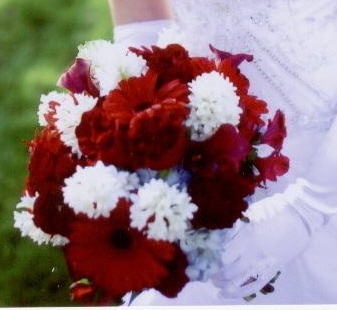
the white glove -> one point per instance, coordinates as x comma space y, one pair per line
280, 226
140, 33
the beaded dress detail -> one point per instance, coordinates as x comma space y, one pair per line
295, 60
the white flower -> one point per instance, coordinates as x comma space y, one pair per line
110, 63
45, 107
68, 110
203, 250
23, 220
171, 35
213, 102
169, 207
95, 191
69, 115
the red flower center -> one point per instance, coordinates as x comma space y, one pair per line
121, 239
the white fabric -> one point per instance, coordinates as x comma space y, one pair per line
293, 42
140, 33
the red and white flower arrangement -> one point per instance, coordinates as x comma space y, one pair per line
144, 164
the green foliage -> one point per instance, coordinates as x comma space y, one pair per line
38, 41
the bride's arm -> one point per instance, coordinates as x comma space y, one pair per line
131, 11
281, 226
138, 22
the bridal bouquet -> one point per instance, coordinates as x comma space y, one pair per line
142, 166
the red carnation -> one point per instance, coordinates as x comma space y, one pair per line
202, 65
170, 63
50, 163
116, 258
137, 125
235, 76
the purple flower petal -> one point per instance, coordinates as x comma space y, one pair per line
236, 59
77, 78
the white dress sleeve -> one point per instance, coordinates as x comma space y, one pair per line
140, 33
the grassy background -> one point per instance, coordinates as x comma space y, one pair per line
38, 40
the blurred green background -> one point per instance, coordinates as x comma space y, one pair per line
38, 40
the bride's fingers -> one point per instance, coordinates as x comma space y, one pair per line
242, 279
243, 286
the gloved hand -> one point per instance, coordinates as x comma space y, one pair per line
280, 226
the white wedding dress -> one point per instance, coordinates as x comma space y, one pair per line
294, 43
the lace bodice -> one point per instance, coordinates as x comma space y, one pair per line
291, 40
295, 59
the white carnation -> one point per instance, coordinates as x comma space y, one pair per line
69, 114
169, 207
203, 250
44, 107
23, 220
213, 102
171, 35
110, 63
95, 191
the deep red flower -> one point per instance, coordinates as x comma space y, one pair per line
137, 125
250, 119
219, 182
50, 163
272, 166
78, 79
170, 63
276, 131
236, 59
220, 198
235, 76
171, 285
115, 257
202, 65
51, 214
223, 151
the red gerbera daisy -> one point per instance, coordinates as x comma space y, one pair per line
116, 258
